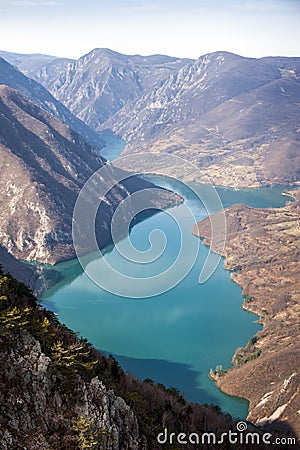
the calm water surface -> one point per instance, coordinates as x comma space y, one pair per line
113, 146
174, 338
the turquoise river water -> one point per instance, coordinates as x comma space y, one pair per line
174, 338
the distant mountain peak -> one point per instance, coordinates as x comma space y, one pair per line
101, 82
104, 53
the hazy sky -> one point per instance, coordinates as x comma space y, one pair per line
179, 27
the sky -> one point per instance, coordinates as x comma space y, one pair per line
183, 28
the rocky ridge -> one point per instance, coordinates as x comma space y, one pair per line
262, 251
28, 64
250, 141
44, 165
36, 93
195, 89
47, 403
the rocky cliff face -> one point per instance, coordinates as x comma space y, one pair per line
262, 248
192, 91
43, 165
49, 396
36, 414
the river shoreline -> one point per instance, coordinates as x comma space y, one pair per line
262, 252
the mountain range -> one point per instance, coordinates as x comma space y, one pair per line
234, 117
100, 83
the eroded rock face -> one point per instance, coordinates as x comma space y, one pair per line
43, 164
263, 249
36, 415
